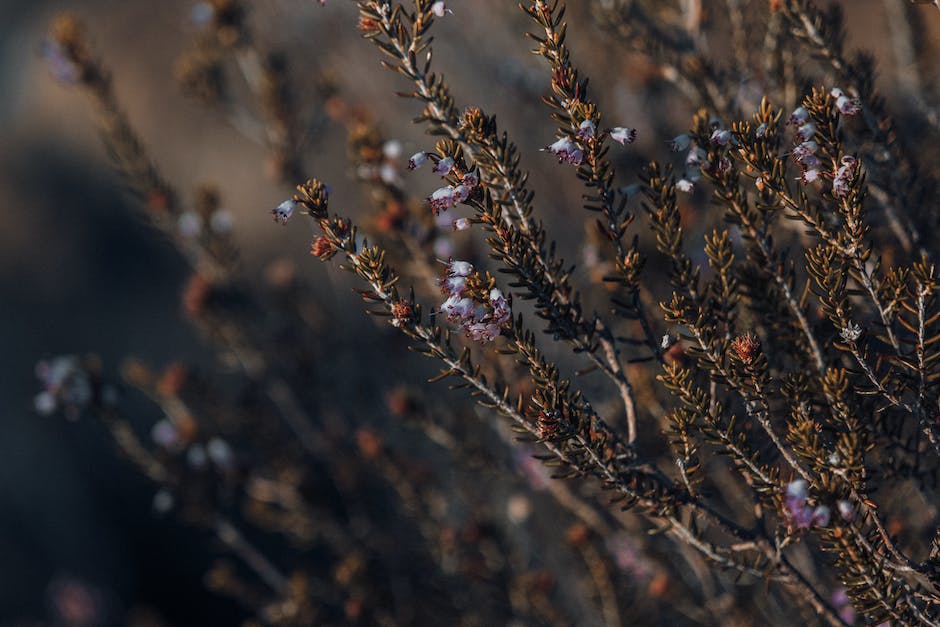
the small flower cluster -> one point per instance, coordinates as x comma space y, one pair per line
66, 384
482, 322
694, 159
179, 440
841, 182
568, 151
446, 197
800, 515
804, 152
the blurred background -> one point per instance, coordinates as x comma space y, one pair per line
80, 273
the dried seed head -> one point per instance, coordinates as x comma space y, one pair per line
322, 248
746, 347
401, 313
549, 424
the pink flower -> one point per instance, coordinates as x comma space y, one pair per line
417, 160
444, 166
798, 513
566, 151
623, 135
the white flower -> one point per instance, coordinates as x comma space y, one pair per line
482, 331
457, 308
623, 135
444, 166
284, 211
685, 185
680, 142
417, 160
165, 435
846, 511
453, 285
851, 333
163, 501
45, 403
220, 453
442, 200
806, 132
848, 106
189, 224
388, 173
721, 137
221, 221
392, 149
461, 224
202, 14
696, 157
840, 184
196, 456
664, 343
799, 115
439, 9
501, 312
805, 150
810, 175
566, 151
470, 180
459, 268
797, 489
461, 193
821, 516
586, 130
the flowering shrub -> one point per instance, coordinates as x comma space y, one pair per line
765, 342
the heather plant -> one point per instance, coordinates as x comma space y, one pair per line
732, 414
